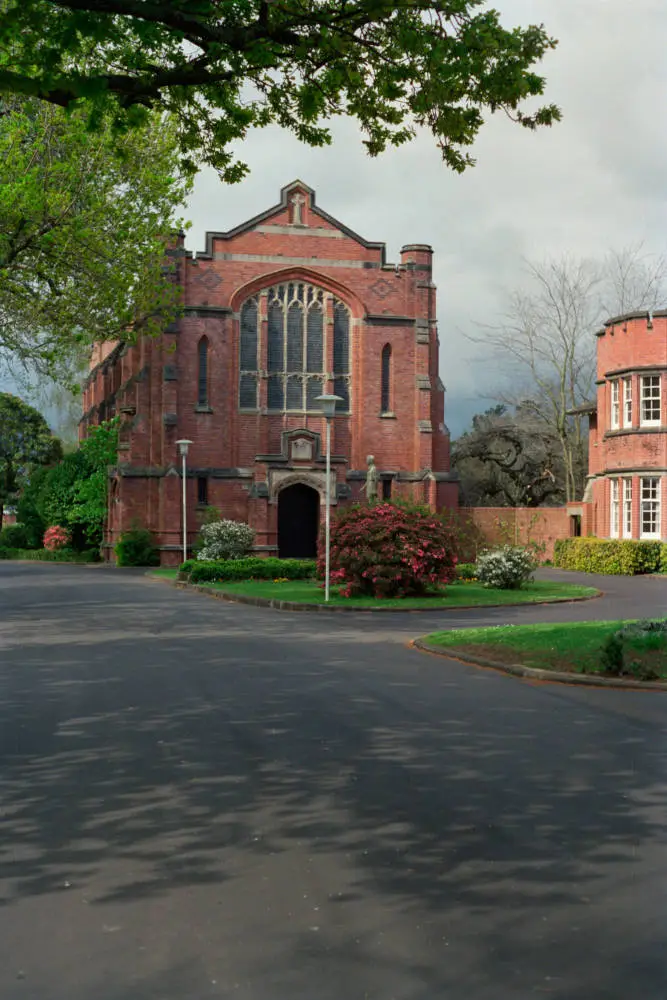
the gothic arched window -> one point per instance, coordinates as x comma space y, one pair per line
385, 390
202, 372
295, 350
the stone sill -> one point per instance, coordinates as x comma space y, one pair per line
647, 429
388, 416
200, 408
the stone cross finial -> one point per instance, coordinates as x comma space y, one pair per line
297, 202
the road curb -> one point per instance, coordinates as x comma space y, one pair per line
272, 602
533, 673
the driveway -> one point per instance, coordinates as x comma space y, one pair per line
200, 799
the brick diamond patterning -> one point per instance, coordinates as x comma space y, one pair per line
381, 288
209, 279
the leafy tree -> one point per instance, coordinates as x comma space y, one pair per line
83, 220
221, 68
73, 493
26, 441
509, 460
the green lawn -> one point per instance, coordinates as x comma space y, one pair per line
573, 647
456, 595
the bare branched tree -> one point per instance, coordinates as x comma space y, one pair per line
635, 280
546, 345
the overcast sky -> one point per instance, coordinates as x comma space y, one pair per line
595, 181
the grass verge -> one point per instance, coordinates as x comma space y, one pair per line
571, 648
455, 595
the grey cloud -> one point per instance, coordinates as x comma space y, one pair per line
592, 182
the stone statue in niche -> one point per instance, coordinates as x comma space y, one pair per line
371, 485
302, 450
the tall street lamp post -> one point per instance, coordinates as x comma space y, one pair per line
328, 404
183, 446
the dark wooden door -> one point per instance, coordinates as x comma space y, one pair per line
298, 522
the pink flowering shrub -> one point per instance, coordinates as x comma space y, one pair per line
389, 550
56, 538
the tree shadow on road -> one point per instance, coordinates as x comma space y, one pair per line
494, 819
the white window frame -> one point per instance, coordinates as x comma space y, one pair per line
626, 511
615, 404
627, 402
645, 397
649, 500
614, 509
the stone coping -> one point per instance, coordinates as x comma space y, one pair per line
534, 673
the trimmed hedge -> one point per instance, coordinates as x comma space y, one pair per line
663, 557
252, 568
619, 557
44, 555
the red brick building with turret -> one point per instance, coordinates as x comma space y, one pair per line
277, 311
626, 495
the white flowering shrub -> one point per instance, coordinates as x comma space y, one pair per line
225, 540
507, 568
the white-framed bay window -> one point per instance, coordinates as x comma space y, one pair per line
649, 507
615, 404
650, 401
627, 402
614, 509
627, 508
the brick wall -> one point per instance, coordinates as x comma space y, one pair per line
519, 525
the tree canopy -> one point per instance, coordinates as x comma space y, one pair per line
25, 442
223, 67
83, 221
510, 459
73, 492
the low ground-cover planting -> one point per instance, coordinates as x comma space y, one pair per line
454, 595
46, 555
576, 647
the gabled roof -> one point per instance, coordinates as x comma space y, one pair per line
285, 192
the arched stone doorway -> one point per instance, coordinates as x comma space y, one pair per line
298, 522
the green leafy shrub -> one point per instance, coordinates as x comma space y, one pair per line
466, 571
507, 568
252, 568
639, 637
612, 658
607, 555
137, 548
663, 557
390, 550
15, 536
225, 539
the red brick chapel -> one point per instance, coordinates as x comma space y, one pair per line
276, 311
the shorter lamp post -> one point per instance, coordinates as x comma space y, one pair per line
183, 446
328, 404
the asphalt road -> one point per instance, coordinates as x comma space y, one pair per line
207, 800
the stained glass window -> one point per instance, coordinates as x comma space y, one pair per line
341, 356
295, 351
248, 380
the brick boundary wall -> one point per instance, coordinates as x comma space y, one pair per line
519, 525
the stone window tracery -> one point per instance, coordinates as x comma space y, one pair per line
295, 350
